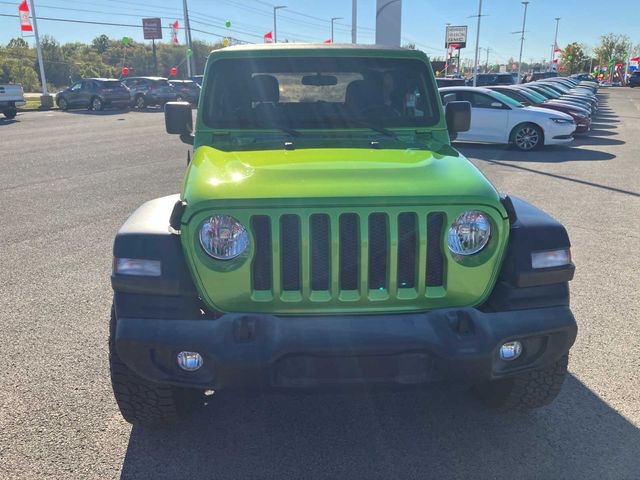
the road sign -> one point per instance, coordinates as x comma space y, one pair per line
152, 28
456, 35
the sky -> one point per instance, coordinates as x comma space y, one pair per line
423, 21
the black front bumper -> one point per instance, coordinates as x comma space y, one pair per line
260, 351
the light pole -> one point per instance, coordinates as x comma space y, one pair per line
275, 30
524, 21
475, 60
333, 19
187, 37
446, 50
555, 44
354, 21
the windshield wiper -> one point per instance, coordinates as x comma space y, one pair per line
289, 131
376, 128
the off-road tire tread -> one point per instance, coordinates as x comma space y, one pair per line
526, 391
141, 402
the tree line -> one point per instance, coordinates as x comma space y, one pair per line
103, 57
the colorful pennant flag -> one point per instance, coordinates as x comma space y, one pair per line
25, 23
268, 37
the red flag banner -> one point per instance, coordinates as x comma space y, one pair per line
25, 23
327, 40
557, 50
268, 37
174, 31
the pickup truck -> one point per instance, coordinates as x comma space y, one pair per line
327, 235
11, 97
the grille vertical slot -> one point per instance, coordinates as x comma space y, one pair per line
378, 251
290, 252
261, 267
320, 251
349, 251
407, 249
435, 257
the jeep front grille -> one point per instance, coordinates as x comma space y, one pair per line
349, 257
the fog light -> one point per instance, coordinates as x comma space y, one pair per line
189, 361
510, 350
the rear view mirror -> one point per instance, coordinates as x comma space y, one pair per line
178, 120
320, 80
458, 116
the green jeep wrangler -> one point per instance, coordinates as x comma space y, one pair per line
328, 236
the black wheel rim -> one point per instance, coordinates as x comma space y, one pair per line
140, 102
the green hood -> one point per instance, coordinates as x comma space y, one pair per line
432, 177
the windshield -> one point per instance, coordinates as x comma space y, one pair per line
533, 96
508, 100
319, 93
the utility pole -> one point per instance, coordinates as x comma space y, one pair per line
45, 101
333, 19
354, 21
555, 44
446, 51
475, 61
524, 21
275, 28
187, 37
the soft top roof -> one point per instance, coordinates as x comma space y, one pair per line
317, 49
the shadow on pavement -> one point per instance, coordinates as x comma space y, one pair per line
553, 154
101, 113
8, 121
435, 433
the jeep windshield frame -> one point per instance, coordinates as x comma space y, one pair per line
323, 92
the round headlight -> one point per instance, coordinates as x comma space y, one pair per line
469, 233
223, 237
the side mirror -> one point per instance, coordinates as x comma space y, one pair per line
458, 116
178, 120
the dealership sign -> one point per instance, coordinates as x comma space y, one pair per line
456, 35
152, 28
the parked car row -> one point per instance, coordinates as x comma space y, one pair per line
545, 112
138, 92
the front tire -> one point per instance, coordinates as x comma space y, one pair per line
139, 102
142, 402
63, 104
526, 391
527, 137
11, 113
96, 104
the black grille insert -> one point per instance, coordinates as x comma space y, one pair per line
290, 251
261, 268
378, 250
320, 242
435, 258
407, 249
349, 251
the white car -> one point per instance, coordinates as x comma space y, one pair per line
496, 118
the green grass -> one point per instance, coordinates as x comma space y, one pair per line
32, 102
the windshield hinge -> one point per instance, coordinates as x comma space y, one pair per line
176, 216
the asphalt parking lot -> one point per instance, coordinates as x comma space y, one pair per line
69, 180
